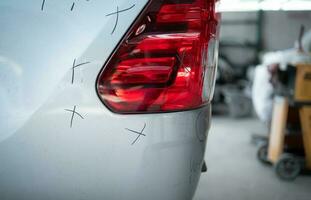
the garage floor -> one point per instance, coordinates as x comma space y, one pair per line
234, 172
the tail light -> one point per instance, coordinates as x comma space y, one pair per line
167, 60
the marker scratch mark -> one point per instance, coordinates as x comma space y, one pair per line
75, 66
42, 5
117, 20
182, 59
117, 16
71, 8
74, 112
73, 5
141, 133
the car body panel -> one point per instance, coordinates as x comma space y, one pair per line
47, 151
38, 48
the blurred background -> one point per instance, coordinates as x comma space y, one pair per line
259, 145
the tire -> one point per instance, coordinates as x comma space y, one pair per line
262, 154
288, 167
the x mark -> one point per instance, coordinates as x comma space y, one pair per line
73, 69
74, 112
71, 8
138, 133
117, 16
181, 60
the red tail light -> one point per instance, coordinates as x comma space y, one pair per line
167, 60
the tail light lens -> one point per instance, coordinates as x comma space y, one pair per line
167, 60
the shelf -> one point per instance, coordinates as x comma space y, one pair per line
238, 45
240, 22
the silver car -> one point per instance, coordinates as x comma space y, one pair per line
105, 100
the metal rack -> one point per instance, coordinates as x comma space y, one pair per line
255, 46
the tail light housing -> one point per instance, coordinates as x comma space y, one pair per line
166, 61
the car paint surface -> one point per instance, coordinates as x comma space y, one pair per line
57, 140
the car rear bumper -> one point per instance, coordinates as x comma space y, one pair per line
101, 159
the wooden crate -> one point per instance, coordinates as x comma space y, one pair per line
278, 126
305, 117
303, 83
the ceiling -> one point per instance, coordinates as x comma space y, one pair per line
255, 5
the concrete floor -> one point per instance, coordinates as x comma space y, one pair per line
234, 173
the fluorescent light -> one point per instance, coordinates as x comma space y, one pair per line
270, 5
297, 5
237, 6
267, 5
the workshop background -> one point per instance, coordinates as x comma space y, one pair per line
259, 145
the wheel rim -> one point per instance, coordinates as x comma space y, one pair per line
263, 153
288, 168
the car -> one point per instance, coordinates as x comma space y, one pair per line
105, 99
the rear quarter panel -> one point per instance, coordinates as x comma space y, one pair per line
47, 154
